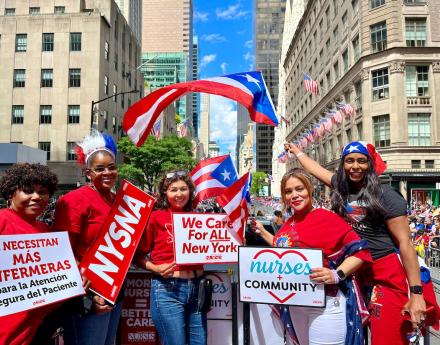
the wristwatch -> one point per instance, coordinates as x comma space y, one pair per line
341, 275
416, 289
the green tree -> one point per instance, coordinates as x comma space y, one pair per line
145, 165
259, 179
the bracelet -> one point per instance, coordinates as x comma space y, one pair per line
335, 276
299, 154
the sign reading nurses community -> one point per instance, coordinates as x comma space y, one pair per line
107, 262
36, 270
204, 238
280, 276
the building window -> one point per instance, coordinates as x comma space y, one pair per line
376, 3
349, 136
416, 82
74, 77
106, 85
114, 125
419, 129
355, 5
415, 32
414, 2
115, 91
21, 42
429, 164
336, 70
19, 77
344, 19
45, 146
356, 48
115, 61
105, 115
359, 131
380, 84
73, 114
59, 9
9, 11
345, 60
47, 77
416, 163
47, 45
71, 155
45, 114
34, 10
378, 36
75, 41
106, 50
381, 130
122, 101
17, 114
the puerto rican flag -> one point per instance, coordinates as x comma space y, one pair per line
211, 176
234, 202
247, 88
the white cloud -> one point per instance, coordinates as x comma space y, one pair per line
223, 123
249, 44
249, 57
223, 66
200, 16
232, 12
207, 59
214, 38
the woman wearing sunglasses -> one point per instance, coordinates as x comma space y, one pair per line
82, 213
174, 288
378, 214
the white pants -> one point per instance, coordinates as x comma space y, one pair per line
319, 326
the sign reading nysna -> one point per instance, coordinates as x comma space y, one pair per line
204, 238
280, 276
108, 260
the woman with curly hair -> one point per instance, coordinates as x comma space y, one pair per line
174, 288
27, 189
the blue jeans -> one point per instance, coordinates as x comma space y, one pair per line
173, 304
92, 329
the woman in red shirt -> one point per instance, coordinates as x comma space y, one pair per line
82, 212
344, 253
174, 288
27, 189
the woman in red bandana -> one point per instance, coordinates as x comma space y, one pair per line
378, 214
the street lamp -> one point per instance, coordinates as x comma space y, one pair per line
92, 111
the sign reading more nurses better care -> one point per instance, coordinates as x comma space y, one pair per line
204, 238
106, 263
280, 276
36, 270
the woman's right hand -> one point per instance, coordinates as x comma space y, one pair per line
292, 148
165, 270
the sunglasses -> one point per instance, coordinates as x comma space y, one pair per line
99, 170
174, 174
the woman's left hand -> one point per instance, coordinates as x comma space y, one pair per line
322, 275
416, 307
99, 305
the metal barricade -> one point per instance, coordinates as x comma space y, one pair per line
432, 260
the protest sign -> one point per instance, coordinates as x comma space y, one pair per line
36, 270
108, 260
280, 276
221, 304
137, 327
204, 238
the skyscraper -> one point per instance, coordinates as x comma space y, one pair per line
132, 10
269, 20
195, 96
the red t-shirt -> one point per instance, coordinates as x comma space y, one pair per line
319, 229
158, 240
82, 212
20, 328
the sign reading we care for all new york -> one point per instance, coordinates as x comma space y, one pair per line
280, 276
201, 238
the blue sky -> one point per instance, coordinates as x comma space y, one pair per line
225, 32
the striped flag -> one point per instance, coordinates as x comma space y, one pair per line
234, 202
346, 108
156, 129
211, 176
310, 85
182, 130
247, 88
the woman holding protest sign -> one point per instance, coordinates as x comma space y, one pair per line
82, 212
378, 214
27, 189
344, 253
175, 289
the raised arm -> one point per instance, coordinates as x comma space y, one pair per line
310, 165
